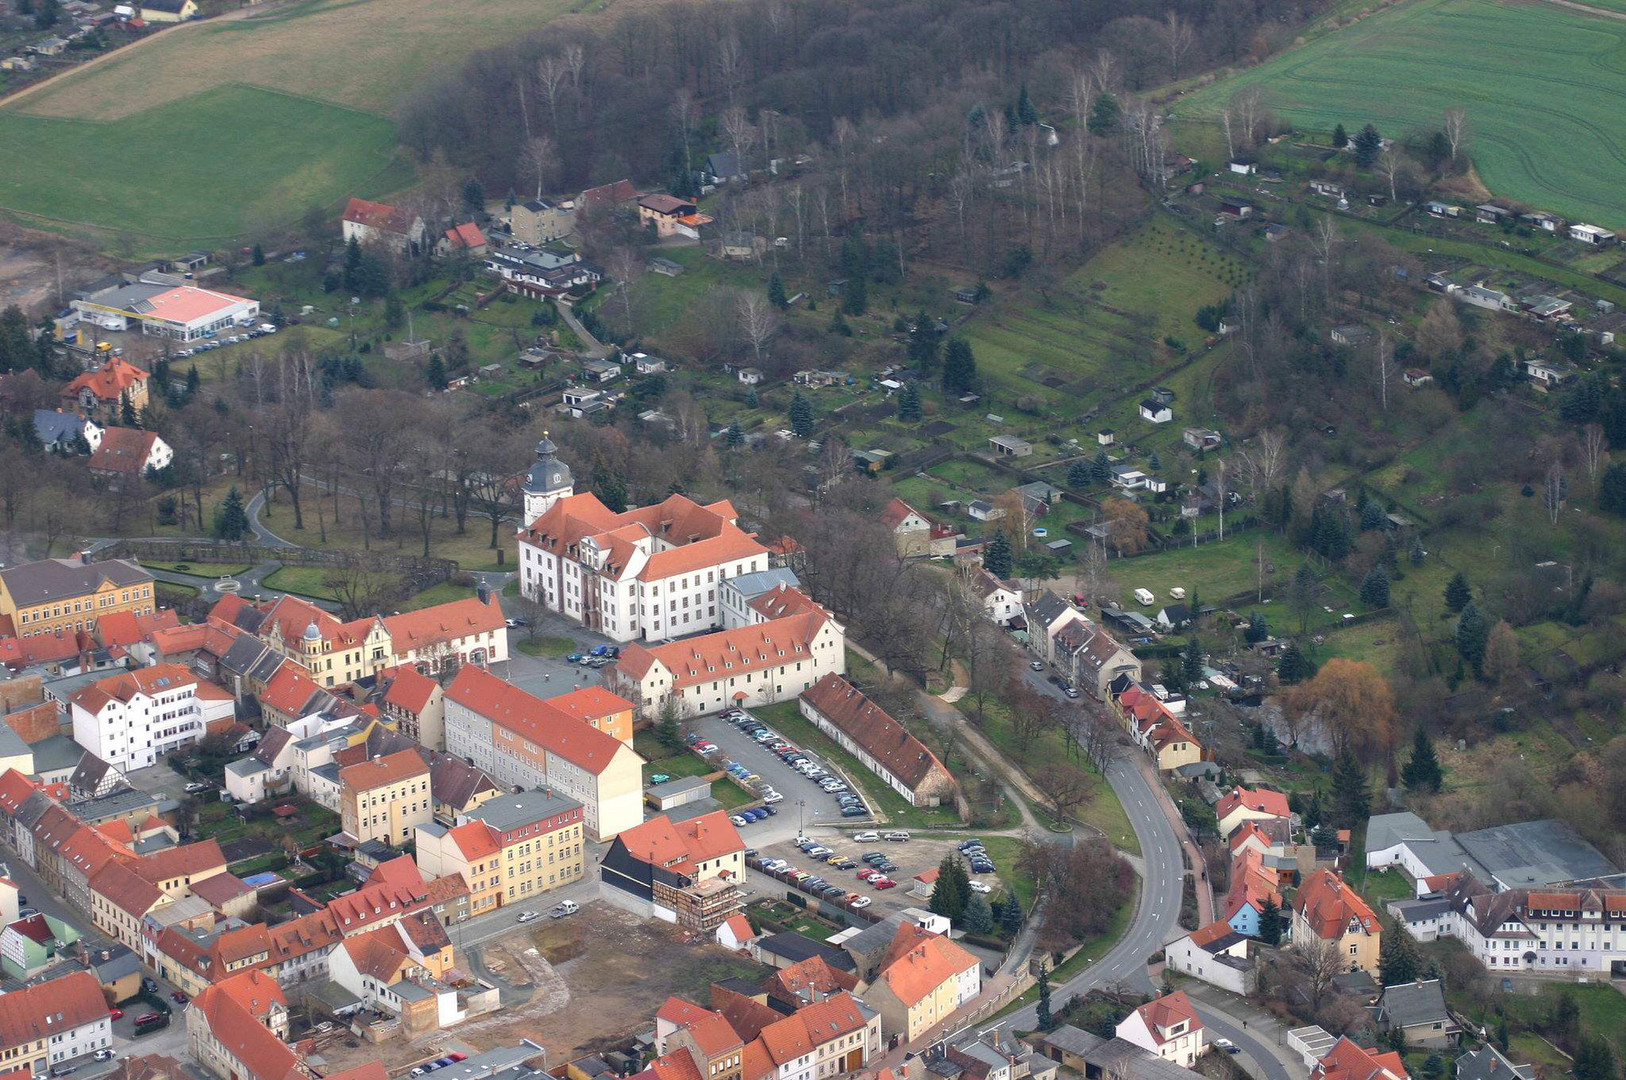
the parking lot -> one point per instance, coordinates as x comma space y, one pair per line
804, 802
922, 852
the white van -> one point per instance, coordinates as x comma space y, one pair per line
1144, 596
1177, 593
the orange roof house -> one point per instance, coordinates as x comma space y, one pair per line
1327, 909
1239, 805
1349, 1061
105, 390
129, 452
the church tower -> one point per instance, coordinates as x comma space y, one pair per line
548, 481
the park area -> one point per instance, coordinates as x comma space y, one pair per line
1537, 82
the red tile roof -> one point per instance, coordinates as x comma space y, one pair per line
679, 845
243, 1037
1329, 905
383, 771
1163, 1013
197, 860
531, 717
896, 512
702, 659
923, 968
108, 382
443, 623
466, 235
409, 689
123, 450
1348, 1061
380, 216
873, 729
127, 628
1262, 800
67, 1003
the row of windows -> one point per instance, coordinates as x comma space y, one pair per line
34, 615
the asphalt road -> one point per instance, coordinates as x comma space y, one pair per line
1156, 921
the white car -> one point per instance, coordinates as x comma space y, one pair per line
866, 837
737, 821
771, 796
527, 916
981, 886
566, 907
861, 902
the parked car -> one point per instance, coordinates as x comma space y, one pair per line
1036, 665
179, 998
116, 1014
981, 886
737, 821
575, 658
659, 778
861, 902
772, 796
1070, 691
103, 1055
884, 883
527, 916
565, 907
1228, 1046
866, 837
855, 811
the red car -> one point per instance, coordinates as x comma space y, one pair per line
883, 883
179, 998
868, 874
117, 1014
457, 1055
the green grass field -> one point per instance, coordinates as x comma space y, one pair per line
1537, 81
201, 170
1103, 330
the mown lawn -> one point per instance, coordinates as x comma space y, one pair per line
544, 645
200, 569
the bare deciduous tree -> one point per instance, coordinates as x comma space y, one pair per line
757, 319
1178, 39
1594, 450
1554, 491
1456, 129
1389, 163
537, 160
551, 72
730, 64
1319, 961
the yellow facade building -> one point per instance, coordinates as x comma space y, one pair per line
68, 594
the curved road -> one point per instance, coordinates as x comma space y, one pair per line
1156, 919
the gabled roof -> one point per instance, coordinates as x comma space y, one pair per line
537, 720
1348, 1061
47, 1009
188, 860
242, 1035
125, 889
443, 624
380, 216
1261, 800
466, 235
678, 845
383, 771
896, 512
708, 657
1329, 905
873, 729
1413, 1003
409, 689
1161, 1014
128, 628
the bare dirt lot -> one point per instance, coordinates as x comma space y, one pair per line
578, 985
